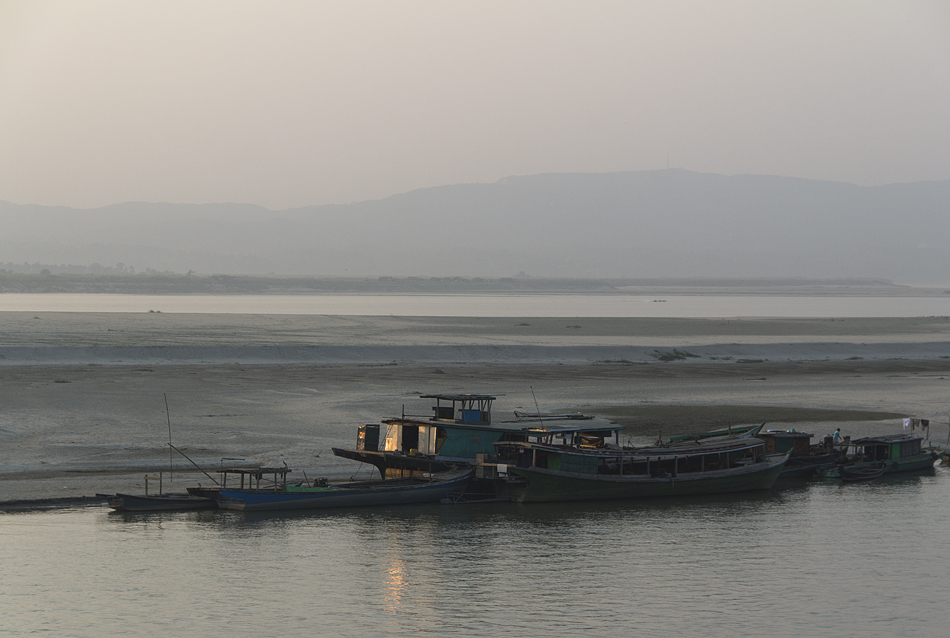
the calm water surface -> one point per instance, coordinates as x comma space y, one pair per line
490, 305
818, 559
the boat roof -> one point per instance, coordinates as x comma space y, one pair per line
575, 429
887, 438
704, 446
720, 446
506, 426
536, 416
254, 470
786, 434
734, 430
458, 397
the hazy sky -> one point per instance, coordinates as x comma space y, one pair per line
294, 103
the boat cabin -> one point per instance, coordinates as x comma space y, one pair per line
582, 437
255, 477
460, 427
781, 441
461, 408
892, 447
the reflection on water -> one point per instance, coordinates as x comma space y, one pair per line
818, 559
395, 582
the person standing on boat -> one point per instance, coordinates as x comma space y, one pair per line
837, 437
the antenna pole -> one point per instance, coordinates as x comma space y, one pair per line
536, 406
170, 447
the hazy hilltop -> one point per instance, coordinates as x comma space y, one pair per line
669, 223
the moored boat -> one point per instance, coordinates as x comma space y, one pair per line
806, 459
159, 503
551, 467
895, 452
459, 431
415, 489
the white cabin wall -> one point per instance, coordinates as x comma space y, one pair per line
393, 438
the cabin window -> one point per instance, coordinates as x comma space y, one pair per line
663, 467
591, 441
909, 448
641, 467
368, 438
541, 459
392, 438
693, 463
573, 463
524, 458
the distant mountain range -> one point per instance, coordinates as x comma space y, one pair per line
668, 223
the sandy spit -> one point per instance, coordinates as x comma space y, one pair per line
82, 396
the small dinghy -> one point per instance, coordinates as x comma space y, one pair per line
853, 473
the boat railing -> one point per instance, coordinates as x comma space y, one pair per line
274, 478
151, 479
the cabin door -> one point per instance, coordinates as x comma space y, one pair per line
410, 438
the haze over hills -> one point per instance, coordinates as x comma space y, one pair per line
667, 223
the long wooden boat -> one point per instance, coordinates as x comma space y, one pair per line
551, 485
155, 503
544, 469
433, 488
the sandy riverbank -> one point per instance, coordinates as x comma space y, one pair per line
82, 426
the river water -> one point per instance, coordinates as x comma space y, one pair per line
685, 306
807, 559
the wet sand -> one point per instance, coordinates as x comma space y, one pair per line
98, 425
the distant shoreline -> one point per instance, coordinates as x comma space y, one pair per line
176, 284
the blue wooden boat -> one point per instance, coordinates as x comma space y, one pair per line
416, 489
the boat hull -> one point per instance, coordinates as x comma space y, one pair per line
807, 466
365, 494
909, 464
386, 462
543, 485
134, 503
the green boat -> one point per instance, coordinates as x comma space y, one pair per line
896, 452
552, 467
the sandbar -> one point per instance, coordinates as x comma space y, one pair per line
82, 408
